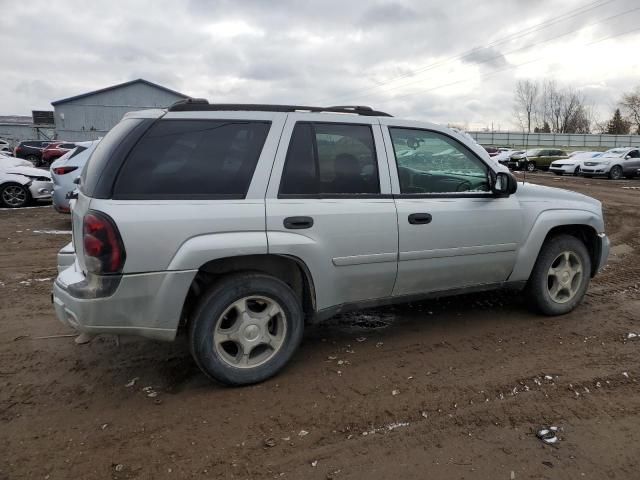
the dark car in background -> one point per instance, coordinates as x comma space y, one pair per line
492, 151
538, 158
31, 150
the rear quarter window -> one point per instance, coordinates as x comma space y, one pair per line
190, 159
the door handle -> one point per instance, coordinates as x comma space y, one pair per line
419, 218
298, 223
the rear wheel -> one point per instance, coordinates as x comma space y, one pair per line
14, 195
33, 159
560, 276
615, 173
246, 328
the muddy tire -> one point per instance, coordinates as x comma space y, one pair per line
245, 328
560, 276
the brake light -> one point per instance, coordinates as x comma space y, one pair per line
63, 170
103, 248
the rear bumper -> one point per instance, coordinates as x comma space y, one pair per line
148, 304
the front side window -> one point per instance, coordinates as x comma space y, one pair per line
330, 159
430, 162
634, 154
192, 159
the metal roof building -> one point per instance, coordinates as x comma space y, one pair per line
91, 115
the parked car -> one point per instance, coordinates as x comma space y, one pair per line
9, 161
614, 163
239, 223
504, 158
538, 158
573, 164
5, 146
31, 150
65, 170
19, 185
492, 151
55, 150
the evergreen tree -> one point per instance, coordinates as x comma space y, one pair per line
618, 125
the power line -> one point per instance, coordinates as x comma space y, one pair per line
534, 28
489, 74
525, 47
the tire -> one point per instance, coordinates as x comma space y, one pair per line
33, 159
217, 314
531, 166
576, 172
14, 195
615, 173
542, 283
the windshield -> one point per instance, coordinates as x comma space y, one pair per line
615, 152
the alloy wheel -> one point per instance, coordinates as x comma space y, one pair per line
250, 331
564, 277
14, 196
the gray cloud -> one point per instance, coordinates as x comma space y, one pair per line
402, 56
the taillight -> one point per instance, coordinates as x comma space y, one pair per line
63, 170
103, 248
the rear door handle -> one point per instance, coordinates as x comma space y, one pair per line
298, 223
419, 218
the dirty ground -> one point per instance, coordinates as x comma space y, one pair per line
455, 388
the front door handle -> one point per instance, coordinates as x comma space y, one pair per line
419, 218
298, 223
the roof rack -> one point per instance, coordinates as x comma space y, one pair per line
201, 104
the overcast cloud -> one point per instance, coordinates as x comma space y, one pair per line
438, 61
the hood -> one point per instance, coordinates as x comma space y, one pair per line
11, 162
529, 192
27, 171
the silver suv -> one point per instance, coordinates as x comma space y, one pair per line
239, 223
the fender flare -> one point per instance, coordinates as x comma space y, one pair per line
528, 252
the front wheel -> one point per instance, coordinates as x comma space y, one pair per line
576, 172
560, 276
14, 195
531, 166
246, 328
615, 173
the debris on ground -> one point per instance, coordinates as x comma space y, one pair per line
150, 392
548, 435
303, 433
270, 442
132, 382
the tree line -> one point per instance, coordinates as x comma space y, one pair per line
545, 107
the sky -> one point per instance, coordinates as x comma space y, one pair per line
454, 62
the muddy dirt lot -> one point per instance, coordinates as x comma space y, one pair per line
442, 389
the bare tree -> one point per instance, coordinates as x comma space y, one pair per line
526, 100
630, 104
564, 110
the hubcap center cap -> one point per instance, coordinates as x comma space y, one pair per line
565, 277
251, 332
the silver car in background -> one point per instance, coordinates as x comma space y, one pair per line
615, 163
65, 170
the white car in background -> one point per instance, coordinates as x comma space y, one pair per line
4, 146
572, 165
7, 160
65, 170
20, 185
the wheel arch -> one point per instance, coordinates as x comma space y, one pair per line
290, 269
584, 225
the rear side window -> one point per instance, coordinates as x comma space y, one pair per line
186, 159
79, 149
330, 159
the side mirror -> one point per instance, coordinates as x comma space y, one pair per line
627, 157
505, 184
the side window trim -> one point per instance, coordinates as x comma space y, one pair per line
393, 166
321, 196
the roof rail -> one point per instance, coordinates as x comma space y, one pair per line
201, 104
